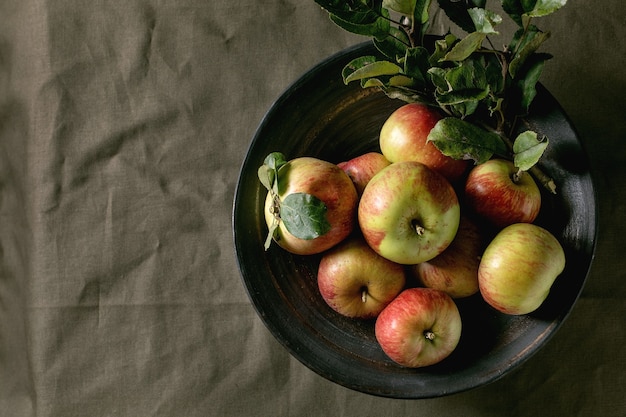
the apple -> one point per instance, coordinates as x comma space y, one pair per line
519, 267
408, 213
455, 270
357, 282
497, 191
403, 137
362, 168
420, 327
328, 183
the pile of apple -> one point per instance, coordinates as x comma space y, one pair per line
406, 231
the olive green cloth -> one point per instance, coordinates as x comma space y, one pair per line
123, 124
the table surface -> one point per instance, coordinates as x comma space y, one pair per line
123, 125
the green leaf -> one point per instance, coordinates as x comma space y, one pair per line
416, 65
527, 81
405, 7
528, 4
371, 70
378, 29
304, 216
357, 12
493, 72
401, 81
356, 64
266, 176
457, 12
465, 47
372, 82
460, 139
421, 20
528, 149
514, 9
438, 78
462, 96
407, 95
462, 87
268, 172
362, 18
545, 7
521, 10
394, 45
463, 107
442, 46
469, 75
275, 160
528, 43
484, 20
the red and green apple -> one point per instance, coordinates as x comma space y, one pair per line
404, 137
502, 194
357, 282
362, 168
420, 327
320, 180
518, 268
408, 213
455, 270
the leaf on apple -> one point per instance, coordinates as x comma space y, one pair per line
527, 149
459, 139
268, 172
304, 216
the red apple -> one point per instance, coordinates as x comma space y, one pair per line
455, 270
404, 135
519, 267
497, 191
362, 168
420, 327
357, 282
408, 213
324, 181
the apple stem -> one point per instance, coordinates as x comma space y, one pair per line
429, 335
364, 295
517, 176
275, 207
419, 229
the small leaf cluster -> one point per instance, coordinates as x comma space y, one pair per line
303, 215
465, 76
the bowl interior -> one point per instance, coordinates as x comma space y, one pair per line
320, 116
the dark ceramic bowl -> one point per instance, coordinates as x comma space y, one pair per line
320, 116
